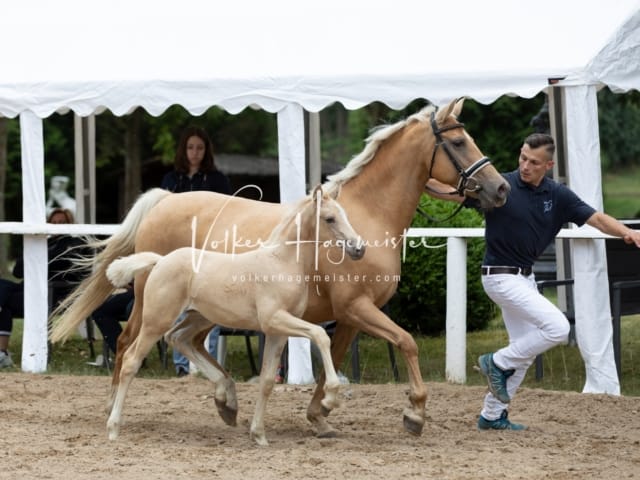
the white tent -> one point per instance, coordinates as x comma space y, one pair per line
120, 54
288, 56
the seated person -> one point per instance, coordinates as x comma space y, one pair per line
117, 308
11, 303
108, 316
61, 250
181, 363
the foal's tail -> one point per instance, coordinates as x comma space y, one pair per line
95, 288
122, 271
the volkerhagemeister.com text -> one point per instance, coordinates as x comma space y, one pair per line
315, 278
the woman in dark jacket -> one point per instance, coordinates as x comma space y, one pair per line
194, 166
195, 169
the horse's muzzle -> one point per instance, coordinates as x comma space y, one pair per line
493, 197
355, 250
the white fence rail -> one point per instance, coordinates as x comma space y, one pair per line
456, 284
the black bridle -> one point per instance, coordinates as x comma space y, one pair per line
466, 182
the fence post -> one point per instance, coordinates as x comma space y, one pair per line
34, 339
456, 320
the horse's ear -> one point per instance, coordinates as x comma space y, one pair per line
445, 111
317, 190
334, 193
457, 108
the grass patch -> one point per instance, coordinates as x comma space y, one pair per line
563, 366
621, 194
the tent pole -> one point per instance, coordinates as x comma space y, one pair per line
291, 163
85, 168
563, 246
315, 160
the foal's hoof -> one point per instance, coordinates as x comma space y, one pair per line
413, 426
259, 438
228, 415
113, 430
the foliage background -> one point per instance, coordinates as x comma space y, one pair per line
497, 128
140, 147
419, 304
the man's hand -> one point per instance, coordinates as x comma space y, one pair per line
633, 237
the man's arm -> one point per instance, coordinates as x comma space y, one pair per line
609, 225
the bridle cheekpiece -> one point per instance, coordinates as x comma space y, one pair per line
466, 182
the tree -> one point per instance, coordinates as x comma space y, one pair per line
499, 129
619, 120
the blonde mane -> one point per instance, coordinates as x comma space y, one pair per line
377, 137
277, 232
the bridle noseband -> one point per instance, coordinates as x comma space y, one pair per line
466, 182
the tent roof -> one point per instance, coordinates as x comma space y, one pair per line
120, 54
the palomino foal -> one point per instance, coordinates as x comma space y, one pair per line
263, 289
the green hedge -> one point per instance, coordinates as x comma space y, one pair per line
419, 305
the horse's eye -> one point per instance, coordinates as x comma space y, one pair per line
458, 142
330, 220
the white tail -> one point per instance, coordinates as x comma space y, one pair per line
95, 289
121, 271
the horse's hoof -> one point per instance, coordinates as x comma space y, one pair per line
323, 429
412, 426
260, 439
113, 431
228, 415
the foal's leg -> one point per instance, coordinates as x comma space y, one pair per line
188, 337
131, 362
273, 346
317, 412
283, 323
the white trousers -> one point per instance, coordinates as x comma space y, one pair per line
533, 323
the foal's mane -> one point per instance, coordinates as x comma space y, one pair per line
277, 232
376, 138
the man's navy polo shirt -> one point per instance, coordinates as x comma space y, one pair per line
517, 233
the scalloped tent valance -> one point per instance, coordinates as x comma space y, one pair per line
87, 56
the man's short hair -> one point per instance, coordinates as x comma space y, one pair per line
537, 140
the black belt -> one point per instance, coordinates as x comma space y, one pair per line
526, 271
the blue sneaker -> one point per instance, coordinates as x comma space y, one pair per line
501, 423
496, 377
5, 359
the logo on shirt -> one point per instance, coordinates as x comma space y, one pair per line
548, 205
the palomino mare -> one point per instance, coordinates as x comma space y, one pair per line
262, 289
380, 189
